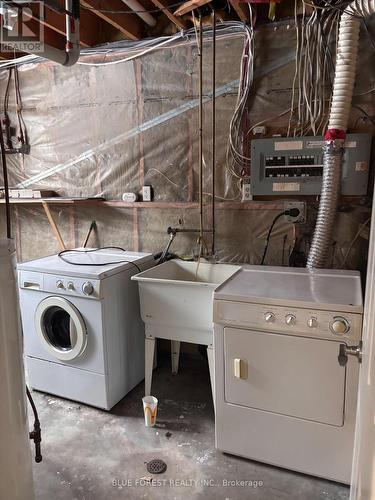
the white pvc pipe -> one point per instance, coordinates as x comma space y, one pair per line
138, 8
15, 457
69, 55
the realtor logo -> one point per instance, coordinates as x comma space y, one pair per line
21, 26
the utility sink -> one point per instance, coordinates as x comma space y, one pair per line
176, 299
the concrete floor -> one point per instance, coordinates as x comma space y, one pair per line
90, 454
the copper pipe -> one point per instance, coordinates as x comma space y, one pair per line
201, 129
213, 128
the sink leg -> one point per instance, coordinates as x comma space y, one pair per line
149, 363
175, 355
211, 366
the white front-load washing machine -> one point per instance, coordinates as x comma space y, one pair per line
83, 334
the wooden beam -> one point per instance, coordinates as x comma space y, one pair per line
50, 38
53, 225
162, 4
241, 10
189, 6
4, 56
89, 26
129, 25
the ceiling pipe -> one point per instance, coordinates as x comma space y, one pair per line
69, 55
342, 94
140, 11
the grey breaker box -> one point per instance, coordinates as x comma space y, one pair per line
294, 165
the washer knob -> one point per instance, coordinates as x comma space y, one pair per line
87, 288
312, 322
340, 326
70, 286
290, 319
269, 317
59, 284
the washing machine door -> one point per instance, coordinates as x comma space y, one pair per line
61, 328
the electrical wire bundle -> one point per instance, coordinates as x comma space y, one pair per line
316, 36
22, 139
237, 156
135, 49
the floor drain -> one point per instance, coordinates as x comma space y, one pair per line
156, 466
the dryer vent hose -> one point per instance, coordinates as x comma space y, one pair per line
343, 85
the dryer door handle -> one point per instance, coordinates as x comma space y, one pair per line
349, 350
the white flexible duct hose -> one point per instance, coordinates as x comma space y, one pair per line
345, 72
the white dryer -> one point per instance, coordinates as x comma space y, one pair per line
83, 334
286, 388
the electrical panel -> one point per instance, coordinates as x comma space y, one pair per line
294, 165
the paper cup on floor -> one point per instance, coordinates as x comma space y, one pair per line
150, 406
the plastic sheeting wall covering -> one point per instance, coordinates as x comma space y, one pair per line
103, 131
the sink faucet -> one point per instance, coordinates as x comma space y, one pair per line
172, 231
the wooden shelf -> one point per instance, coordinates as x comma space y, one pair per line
52, 201
220, 205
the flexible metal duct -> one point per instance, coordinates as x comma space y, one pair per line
345, 72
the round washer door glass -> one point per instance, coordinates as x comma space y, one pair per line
61, 328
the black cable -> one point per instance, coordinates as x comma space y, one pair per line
36, 434
293, 212
63, 252
21, 121
269, 235
6, 185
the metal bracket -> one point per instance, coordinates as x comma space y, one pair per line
350, 350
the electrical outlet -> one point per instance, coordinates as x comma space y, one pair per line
246, 189
301, 205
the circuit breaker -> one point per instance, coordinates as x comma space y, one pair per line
294, 165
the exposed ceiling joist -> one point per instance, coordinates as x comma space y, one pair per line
241, 10
56, 22
189, 6
162, 4
129, 25
4, 56
50, 37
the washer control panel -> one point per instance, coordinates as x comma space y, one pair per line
295, 321
72, 286
60, 285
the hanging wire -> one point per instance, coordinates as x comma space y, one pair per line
236, 159
6, 186
316, 38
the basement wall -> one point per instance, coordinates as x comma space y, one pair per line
102, 131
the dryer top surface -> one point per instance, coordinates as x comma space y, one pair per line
323, 289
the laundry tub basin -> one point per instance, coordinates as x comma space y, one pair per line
176, 299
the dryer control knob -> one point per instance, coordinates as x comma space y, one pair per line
87, 288
312, 322
59, 284
340, 326
290, 319
70, 286
269, 317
